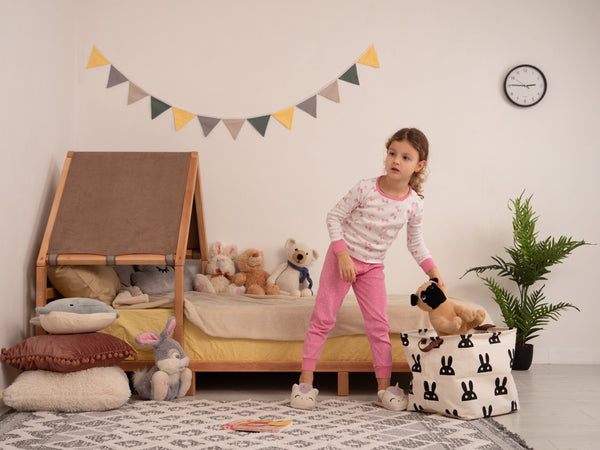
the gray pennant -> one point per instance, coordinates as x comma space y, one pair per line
309, 106
115, 77
208, 123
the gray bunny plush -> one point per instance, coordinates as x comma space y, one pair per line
170, 376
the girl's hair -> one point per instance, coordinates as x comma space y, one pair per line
419, 141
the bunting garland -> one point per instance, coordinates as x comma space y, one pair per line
286, 116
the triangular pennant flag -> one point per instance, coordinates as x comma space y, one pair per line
135, 93
331, 92
115, 77
181, 117
96, 59
234, 126
260, 123
369, 58
351, 75
285, 117
158, 107
309, 106
208, 123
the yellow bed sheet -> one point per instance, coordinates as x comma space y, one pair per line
200, 346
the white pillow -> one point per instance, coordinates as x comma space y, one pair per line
96, 389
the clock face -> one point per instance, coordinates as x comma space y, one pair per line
525, 85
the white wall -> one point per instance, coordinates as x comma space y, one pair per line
442, 68
36, 91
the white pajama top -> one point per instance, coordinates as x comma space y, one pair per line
366, 222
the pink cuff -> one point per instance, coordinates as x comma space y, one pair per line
427, 265
339, 246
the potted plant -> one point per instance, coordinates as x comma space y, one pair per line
528, 263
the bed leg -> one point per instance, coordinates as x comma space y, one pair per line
192, 389
343, 383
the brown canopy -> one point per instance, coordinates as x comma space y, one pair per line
121, 204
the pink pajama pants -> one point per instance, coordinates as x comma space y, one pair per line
369, 288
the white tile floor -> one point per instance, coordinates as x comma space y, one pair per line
559, 404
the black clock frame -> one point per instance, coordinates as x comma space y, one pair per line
531, 104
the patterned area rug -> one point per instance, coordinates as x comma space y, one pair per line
193, 423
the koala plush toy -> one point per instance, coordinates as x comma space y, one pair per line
446, 316
292, 277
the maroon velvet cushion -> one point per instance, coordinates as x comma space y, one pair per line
67, 352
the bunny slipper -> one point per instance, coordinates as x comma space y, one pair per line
170, 377
219, 271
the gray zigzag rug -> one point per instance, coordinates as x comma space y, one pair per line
198, 424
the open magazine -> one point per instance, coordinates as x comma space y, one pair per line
268, 426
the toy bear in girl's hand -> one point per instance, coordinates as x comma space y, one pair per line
446, 316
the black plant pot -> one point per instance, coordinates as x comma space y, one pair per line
523, 357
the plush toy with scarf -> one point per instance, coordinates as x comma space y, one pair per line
219, 271
292, 276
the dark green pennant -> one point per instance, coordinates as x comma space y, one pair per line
260, 123
351, 75
158, 107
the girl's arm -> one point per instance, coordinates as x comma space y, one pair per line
346, 266
435, 273
335, 219
338, 214
418, 249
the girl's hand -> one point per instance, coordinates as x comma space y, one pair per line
435, 273
346, 266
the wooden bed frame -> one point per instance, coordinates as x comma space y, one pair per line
190, 242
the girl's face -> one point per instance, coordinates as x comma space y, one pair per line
402, 161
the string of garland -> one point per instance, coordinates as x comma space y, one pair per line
208, 123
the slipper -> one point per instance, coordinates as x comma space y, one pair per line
304, 396
392, 398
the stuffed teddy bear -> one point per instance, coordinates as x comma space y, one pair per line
292, 277
219, 271
170, 376
446, 316
251, 274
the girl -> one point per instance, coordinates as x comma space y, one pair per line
362, 226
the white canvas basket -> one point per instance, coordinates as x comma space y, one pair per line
465, 376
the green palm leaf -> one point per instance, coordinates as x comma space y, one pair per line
528, 262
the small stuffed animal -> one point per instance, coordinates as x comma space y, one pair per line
446, 316
219, 271
292, 277
251, 274
74, 315
170, 377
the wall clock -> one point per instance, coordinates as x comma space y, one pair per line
525, 85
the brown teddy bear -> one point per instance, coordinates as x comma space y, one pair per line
251, 274
446, 316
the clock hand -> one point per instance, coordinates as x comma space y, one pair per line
522, 85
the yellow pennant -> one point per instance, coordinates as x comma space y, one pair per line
285, 117
96, 59
369, 58
181, 117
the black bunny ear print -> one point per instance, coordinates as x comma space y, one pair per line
487, 413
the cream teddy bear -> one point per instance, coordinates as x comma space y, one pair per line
292, 276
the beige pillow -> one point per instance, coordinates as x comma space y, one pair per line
98, 282
96, 389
